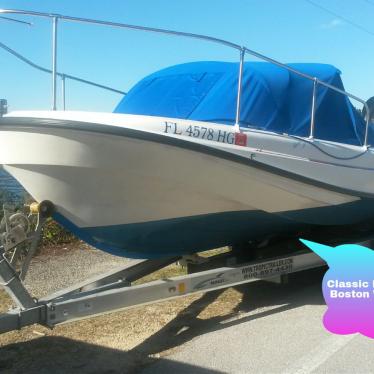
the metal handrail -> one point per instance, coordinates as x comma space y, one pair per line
243, 50
316, 82
16, 20
63, 76
122, 25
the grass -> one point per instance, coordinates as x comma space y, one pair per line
167, 272
176, 269
5, 301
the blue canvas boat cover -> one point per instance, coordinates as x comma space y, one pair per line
273, 98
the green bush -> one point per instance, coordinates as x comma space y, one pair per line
55, 234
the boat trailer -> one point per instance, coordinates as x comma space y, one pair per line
114, 290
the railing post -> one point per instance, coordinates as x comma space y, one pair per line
367, 124
238, 99
54, 62
3, 107
313, 111
63, 77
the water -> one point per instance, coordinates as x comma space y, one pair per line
9, 185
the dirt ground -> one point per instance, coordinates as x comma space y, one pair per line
124, 341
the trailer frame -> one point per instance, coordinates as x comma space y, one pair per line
114, 291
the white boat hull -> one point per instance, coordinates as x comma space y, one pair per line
143, 194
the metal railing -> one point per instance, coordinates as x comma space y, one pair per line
242, 49
63, 76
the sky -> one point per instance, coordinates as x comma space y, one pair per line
287, 30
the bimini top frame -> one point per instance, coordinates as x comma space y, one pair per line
241, 49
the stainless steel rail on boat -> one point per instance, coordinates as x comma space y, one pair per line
242, 49
63, 76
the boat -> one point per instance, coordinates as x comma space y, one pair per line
201, 155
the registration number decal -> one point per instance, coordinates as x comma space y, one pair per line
207, 133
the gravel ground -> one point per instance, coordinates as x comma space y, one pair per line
173, 336
62, 266
120, 342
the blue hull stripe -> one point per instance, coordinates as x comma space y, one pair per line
180, 236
